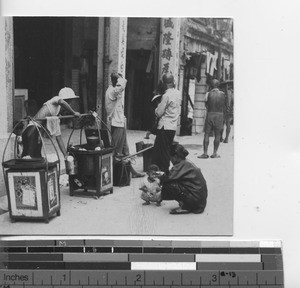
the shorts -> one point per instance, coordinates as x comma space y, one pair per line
228, 118
214, 122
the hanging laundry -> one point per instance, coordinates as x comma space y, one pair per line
231, 71
201, 60
222, 68
213, 65
208, 61
226, 69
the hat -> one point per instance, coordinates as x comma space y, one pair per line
67, 93
155, 97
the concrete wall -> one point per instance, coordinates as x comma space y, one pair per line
199, 104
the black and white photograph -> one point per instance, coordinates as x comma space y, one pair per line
134, 114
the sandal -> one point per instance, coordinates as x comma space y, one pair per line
178, 211
215, 156
203, 156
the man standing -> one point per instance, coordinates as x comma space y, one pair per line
228, 114
115, 116
215, 105
168, 112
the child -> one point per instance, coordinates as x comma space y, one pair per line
151, 189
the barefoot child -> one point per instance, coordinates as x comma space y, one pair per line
150, 186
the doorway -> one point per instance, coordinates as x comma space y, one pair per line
141, 71
39, 56
139, 91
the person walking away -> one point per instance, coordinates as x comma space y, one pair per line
228, 114
215, 106
185, 184
150, 186
116, 118
32, 144
168, 113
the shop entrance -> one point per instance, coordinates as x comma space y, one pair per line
139, 90
39, 57
141, 71
55, 52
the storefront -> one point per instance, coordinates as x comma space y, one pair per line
206, 53
55, 52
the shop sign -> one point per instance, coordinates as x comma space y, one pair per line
170, 35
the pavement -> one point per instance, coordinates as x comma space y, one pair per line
122, 212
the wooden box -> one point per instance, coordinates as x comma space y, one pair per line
94, 171
33, 192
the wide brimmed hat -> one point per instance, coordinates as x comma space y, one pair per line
155, 97
67, 93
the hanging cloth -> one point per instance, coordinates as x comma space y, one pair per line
200, 60
226, 69
53, 125
213, 65
208, 61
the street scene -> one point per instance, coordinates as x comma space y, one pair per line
117, 126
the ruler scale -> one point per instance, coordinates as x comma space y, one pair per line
88, 263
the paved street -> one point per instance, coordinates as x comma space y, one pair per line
122, 212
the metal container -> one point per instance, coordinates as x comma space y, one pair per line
71, 167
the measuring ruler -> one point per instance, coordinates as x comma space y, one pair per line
93, 262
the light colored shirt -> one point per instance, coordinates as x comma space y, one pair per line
114, 103
168, 109
49, 109
151, 186
53, 105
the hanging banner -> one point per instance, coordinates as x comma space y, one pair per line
170, 39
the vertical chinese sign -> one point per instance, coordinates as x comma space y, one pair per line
122, 46
170, 37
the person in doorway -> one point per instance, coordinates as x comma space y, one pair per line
185, 183
168, 113
228, 115
160, 90
215, 105
115, 117
150, 186
32, 142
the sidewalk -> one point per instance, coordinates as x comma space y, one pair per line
122, 212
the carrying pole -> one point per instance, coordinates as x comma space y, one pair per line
133, 155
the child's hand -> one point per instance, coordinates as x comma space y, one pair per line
159, 174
